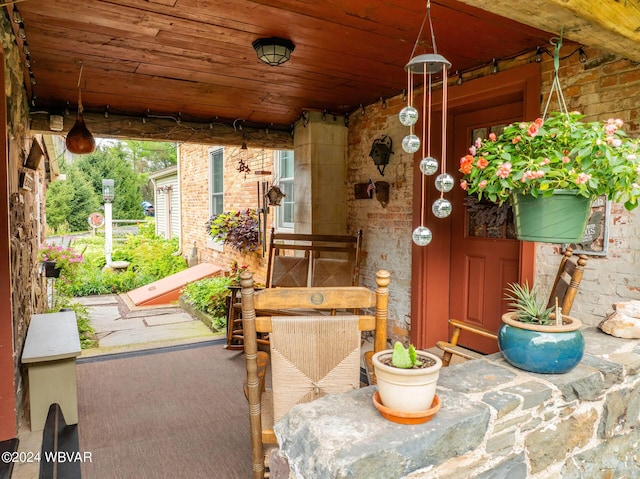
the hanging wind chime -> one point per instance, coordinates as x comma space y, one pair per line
79, 139
427, 65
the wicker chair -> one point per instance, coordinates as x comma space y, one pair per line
564, 289
309, 356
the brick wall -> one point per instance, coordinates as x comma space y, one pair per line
603, 87
240, 193
386, 240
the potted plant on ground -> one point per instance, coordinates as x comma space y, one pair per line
406, 380
536, 338
533, 163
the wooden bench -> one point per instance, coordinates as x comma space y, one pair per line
50, 353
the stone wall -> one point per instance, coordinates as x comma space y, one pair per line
496, 422
26, 216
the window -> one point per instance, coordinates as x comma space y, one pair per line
216, 181
284, 179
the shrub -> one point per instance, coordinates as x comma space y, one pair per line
209, 295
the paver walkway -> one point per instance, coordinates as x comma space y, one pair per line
120, 325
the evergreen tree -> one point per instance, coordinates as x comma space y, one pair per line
113, 161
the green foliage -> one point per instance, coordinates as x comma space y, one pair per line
113, 161
148, 156
525, 302
71, 201
210, 296
404, 358
238, 229
559, 152
150, 257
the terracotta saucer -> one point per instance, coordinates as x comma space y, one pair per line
406, 417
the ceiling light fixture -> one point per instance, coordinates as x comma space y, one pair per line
273, 51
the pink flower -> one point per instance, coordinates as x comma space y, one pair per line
464, 185
516, 140
539, 121
492, 136
582, 178
610, 129
482, 163
533, 129
546, 161
478, 143
473, 150
504, 170
566, 159
482, 184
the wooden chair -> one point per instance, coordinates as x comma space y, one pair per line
310, 356
301, 260
565, 287
298, 260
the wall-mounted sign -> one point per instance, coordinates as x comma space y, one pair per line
595, 240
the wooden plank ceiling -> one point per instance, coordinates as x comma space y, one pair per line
193, 59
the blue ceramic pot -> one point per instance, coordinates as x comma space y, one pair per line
541, 349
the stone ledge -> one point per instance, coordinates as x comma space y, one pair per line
343, 435
496, 421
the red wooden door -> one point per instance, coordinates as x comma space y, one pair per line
484, 251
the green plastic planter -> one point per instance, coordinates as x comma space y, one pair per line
559, 218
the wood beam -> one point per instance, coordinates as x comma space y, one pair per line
606, 24
168, 129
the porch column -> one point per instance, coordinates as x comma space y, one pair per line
320, 149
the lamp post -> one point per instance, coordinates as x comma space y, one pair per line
107, 196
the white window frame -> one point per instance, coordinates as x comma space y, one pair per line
284, 183
213, 156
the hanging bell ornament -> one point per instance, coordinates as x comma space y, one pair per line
79, 139
441, 208
422, 236
428, 165
411, 143
408, 116
444, 182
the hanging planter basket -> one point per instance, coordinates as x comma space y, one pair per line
559, 218
50, 270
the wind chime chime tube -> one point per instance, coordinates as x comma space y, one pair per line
428, 65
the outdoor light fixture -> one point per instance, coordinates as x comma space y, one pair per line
108, 191
273, 51
582, 55
427, 65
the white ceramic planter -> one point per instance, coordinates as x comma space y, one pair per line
406, 390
